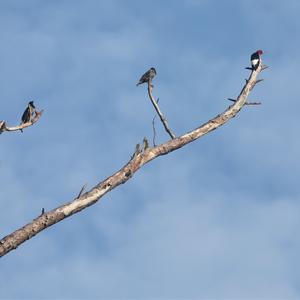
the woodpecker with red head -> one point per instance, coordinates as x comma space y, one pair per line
148, 76
256, 59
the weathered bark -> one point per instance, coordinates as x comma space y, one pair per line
140, 158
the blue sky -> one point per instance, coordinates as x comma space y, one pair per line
217, 219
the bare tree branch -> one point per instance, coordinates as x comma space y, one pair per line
153, 128
154, 131
247, 103
4, 127
140, 158
162, 117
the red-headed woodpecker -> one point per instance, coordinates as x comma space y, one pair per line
256, 59
148, 76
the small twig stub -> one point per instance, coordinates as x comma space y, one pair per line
81, 191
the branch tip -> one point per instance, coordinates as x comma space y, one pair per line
43, 211
253, 103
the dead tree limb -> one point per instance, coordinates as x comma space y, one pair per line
161, 116
4, 127
140, 158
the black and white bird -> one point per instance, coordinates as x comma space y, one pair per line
28, 113
256, 59
148, 76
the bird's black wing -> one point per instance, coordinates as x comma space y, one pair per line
26, 115
146, 77
254, 56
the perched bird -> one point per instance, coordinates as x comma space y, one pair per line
256, 59
148, 76
28, 113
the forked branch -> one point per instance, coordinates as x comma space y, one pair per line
140, 158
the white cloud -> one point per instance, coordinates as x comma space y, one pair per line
216, 219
